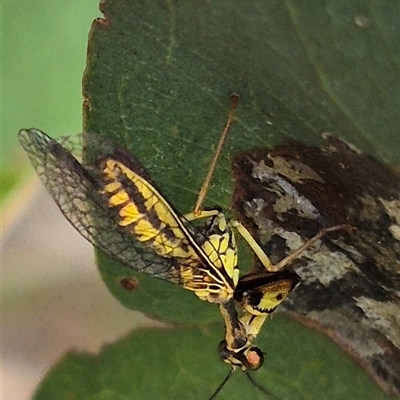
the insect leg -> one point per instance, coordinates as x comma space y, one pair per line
296, 253
201, 214
253, 244
287, 260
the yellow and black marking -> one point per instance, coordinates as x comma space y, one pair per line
208, 267
112, 202
258, 295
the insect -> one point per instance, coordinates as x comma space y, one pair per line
258, 294
112, 202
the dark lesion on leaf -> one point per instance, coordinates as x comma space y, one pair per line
129, 284
350, 284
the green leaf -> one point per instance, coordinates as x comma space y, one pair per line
182, 363
159, 75
158, 80
156, 297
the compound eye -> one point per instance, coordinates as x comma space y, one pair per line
254, 359
247, 359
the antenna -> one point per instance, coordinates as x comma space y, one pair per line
221, 385
213, 163
261, 388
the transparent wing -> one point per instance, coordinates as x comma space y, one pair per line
76, 190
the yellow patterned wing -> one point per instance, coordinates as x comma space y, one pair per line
113, 203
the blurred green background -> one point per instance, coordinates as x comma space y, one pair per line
43, 58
